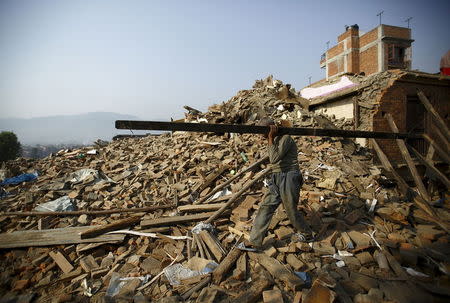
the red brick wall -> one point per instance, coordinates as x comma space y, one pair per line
335, 50
394, 99
397, 32
368, 37
332, 69
369, 60
353, 62
348, 33
353, 42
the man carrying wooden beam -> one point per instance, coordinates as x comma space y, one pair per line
284, 186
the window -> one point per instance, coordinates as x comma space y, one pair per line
396, 56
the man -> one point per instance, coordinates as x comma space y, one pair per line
284, 186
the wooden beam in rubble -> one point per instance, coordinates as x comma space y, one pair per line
253, 129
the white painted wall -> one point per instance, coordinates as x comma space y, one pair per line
340, 109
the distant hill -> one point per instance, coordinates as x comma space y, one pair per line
72, 129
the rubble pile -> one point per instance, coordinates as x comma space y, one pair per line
156, 245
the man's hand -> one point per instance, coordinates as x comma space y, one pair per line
272, 133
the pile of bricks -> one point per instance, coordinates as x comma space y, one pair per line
372, 244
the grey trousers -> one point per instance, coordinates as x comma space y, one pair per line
283, 187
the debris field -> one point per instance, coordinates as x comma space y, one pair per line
161, 218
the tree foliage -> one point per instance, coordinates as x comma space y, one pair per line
10, 147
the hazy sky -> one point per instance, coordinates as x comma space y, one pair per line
149, 58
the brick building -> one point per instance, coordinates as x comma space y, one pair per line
384, 47
394, 92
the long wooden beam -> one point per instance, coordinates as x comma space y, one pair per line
439, 150
254, 129
440, 123
84, 212
223, 185
407, 157
407, 191
429, 164
47, 237
237, 195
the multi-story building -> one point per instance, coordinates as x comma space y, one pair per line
384, 47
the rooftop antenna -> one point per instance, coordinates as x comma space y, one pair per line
309, 80
328, 45
379, 14
407, 20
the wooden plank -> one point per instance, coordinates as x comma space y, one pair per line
212, 245
396, 267
273, 296
440, 123
85, 212
210, 179
278, 270
47, 237
101, 229
443, 140
207, 295
198, 243
236, 196
223, 185
254, 129
197, 287
88, 263
226, 264
61, 261
430, 153
240, 272
176, 219
407, 191
199, 208
254, 293
441, 152
430, 166
407, 157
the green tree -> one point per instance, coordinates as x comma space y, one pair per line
9, 146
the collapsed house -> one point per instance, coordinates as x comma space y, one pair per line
159, 218
368, 99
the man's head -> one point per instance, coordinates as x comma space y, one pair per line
265, 121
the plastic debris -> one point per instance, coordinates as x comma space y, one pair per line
83, 174
178, 272
305, 277
202, 226
92, 152
89, 289
242, 246
223, 192
339, 255
371, 204
60, 204
19, 179
415, 273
